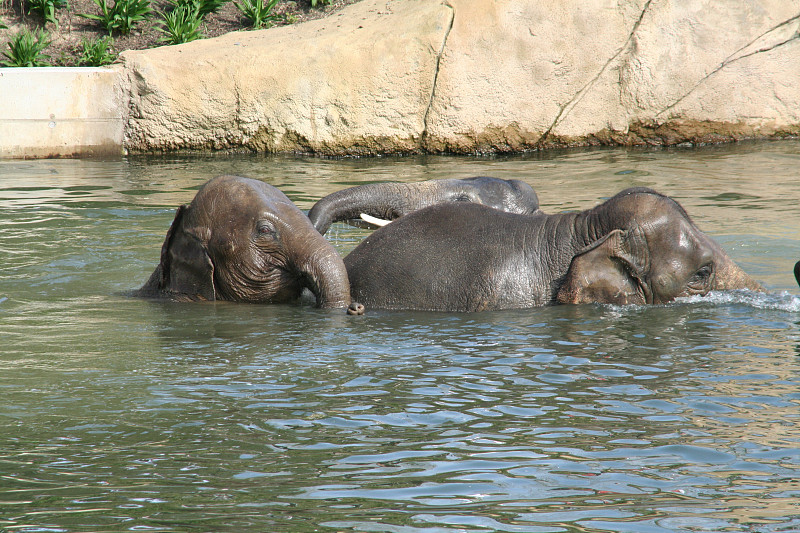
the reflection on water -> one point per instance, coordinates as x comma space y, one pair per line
121, 414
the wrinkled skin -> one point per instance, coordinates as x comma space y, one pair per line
389, 201
639, 247
244, 240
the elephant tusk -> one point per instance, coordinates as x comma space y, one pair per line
374, 221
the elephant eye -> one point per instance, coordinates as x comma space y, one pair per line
265, 228
701, 279
462, 198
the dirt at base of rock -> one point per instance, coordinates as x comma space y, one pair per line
67, 36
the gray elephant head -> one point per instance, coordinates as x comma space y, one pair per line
389, 201
243, 240
650, 252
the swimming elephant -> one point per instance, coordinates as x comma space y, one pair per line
390, 200
243, 240
639, 247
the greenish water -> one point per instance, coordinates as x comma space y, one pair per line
120, 414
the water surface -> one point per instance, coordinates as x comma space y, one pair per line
122, 415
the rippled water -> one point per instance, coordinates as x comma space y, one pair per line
120, 414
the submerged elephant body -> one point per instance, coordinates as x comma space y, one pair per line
639, 247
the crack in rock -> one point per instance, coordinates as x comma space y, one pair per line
738, 55
566, 108
439, 55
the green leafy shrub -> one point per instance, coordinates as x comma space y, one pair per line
47, 9
97, 52
320, 2
203, 7
257, 12
122, 16
181, 25
25, 49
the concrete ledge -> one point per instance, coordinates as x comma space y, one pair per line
61, 112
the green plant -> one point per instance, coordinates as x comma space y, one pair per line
63, 59
181, 25
25, 49
122, 15
47, 9
320, 2
97, 52
203, 7
257, 12
3, 26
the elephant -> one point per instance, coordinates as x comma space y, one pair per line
797, 272
638, 247
390, 200
243, 240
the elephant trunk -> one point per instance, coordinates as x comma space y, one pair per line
326, 277
730, 276
315, 260
382, 200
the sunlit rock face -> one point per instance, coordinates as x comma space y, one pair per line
400, 76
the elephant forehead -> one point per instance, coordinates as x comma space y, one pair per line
684, 250
237, 198
676, 239
489, 186
512, 196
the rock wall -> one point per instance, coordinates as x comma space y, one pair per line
399, 76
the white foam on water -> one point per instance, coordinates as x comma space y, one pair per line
781, 301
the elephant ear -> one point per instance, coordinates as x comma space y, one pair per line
610, 270
186, 271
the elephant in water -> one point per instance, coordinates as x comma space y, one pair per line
243, 240
639, 247
389, 201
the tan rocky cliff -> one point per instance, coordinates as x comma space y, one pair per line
398, 76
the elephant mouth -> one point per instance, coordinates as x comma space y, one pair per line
268, 285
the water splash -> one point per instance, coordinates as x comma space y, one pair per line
779, 301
